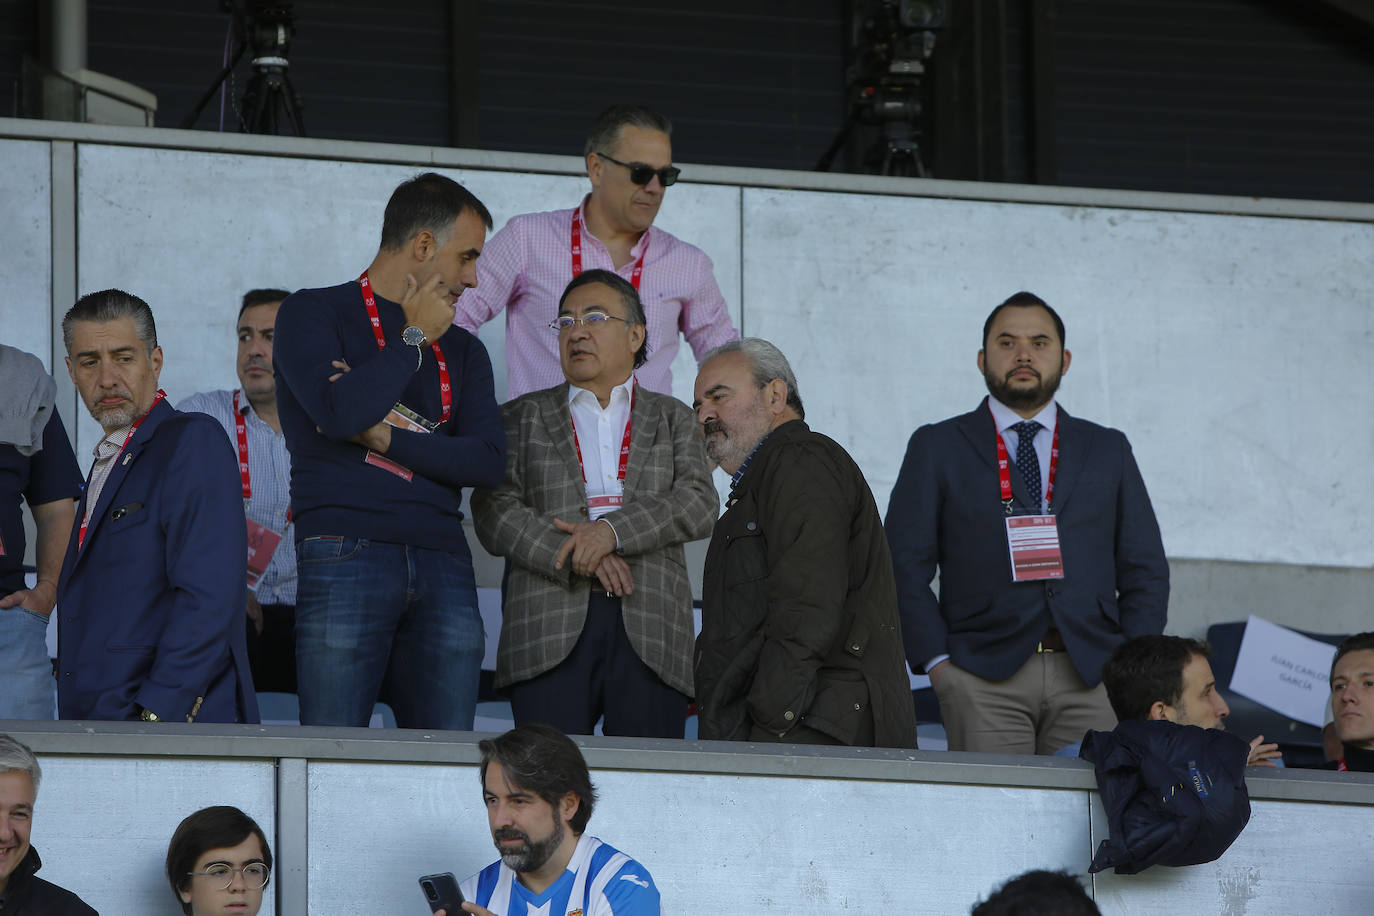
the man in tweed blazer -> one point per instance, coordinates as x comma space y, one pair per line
604, 483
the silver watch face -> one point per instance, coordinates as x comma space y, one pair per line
413, 336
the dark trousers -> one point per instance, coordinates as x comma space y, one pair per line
272, 653
603, 676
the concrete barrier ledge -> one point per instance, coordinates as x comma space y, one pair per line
359, 745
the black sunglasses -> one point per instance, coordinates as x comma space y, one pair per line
643, 174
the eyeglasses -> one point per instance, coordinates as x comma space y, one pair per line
255, 875
589, 321
642, 174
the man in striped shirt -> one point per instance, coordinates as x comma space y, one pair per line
539, 797
249, 418
527, 265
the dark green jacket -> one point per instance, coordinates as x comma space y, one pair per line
799, 609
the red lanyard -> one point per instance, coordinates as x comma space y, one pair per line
81, 535
445, 390
1004, 465
624, 443
241, 431
577, 250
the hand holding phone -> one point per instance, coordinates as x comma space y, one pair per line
442, 893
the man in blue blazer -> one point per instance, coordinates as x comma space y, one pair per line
1048, 552
150, 601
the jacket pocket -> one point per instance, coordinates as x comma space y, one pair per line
746, 554
1110, 610
841, 704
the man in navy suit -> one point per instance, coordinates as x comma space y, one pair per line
1047, 548
150, 598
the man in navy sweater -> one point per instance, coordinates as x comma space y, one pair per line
388, 412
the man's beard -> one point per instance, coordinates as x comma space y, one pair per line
534, 854
111, 418
1023, 398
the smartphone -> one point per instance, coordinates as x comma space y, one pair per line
441, 893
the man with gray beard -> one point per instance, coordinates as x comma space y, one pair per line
539, 797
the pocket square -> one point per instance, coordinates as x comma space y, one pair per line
127, 509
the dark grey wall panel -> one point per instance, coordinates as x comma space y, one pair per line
1225, 96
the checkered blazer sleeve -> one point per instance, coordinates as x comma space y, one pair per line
516, 519
655, 515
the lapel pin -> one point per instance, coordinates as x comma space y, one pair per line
126, 460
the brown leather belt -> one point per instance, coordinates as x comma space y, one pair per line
1051, 642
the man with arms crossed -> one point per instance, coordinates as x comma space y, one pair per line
1169, 678
388, 413
36, 466
249, 418
530, 261
799, 637
151, 591
1352, 702
605, 481
539, 797
1014, 648
21, 893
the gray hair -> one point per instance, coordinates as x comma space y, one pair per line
768, 363
14, 755
111, 305
608, 125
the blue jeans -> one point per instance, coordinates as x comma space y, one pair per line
27, 688
374, 616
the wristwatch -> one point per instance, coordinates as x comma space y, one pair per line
414, 337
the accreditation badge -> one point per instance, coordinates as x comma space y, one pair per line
262, 543
400, 417
1033, 543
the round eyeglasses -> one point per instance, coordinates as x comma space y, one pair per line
590, 321
255, 875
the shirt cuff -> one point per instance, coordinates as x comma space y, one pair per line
613, 531
935, 661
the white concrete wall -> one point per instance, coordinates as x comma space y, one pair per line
723, 828
25, 247
1230, 346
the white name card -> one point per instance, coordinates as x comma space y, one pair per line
1284, 670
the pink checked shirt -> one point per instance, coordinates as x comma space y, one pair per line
525, 267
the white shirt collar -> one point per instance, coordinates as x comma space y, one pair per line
1005, 417
620, 393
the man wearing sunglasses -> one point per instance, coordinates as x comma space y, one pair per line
526, 266
604, 483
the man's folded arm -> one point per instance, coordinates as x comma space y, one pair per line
475, 454
305, 347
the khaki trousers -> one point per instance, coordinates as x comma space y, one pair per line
1041, 708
